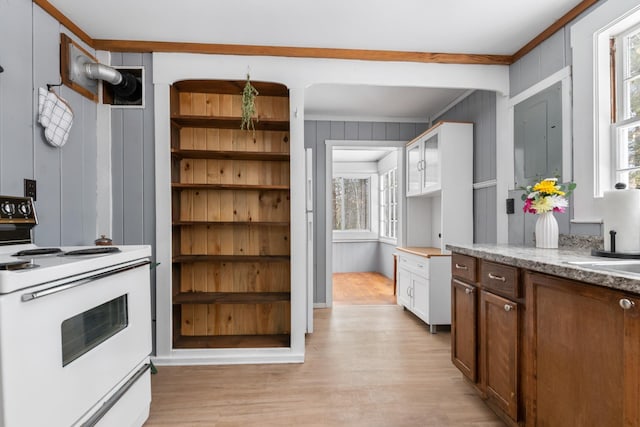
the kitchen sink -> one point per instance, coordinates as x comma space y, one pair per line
622, 266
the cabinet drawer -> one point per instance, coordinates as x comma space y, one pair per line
464, 267
416, 264
500, 278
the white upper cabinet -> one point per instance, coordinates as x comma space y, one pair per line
440, 151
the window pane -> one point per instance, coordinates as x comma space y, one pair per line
632, 88
634, 179
634, 54
337, 203
356, 204
630, 148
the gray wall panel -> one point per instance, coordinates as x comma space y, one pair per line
133, 172
552, 56
393, 131
16, 110
337, 130
66, 176
484, 223
353, 257
46, 158
385, 259
117, 175
379, 132
365, 130
351, 130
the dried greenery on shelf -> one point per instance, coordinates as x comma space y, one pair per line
249, 94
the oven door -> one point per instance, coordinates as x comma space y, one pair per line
66, 345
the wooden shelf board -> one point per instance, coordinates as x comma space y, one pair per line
233, 341
230, 297
227, 123
230, 258
260, 223
229, 155
230, 87
181, 185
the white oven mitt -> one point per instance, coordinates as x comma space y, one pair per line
56, 116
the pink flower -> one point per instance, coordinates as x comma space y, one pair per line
528, 206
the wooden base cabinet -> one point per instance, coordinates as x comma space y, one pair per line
582, 354
486, 331
499, 334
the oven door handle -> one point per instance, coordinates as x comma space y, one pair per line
79, 282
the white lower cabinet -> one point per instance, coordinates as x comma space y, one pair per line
424, 287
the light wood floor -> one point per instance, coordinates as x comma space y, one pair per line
362, 288
365, 366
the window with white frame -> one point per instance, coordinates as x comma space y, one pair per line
389, 204
351, 203
626, 106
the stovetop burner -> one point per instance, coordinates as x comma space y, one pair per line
17, 265
38, 251
93, 251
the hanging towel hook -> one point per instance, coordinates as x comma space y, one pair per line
50, 85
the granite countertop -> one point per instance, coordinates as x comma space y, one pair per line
422, 251
553, 261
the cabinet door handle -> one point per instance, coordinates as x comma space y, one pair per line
461, 267
494, 277
508, 307
627, 304
468, 291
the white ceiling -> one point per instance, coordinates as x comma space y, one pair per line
369, 154
498, 27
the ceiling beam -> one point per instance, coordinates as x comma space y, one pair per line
300, 52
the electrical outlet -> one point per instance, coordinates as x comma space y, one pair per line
510, 206
30, 188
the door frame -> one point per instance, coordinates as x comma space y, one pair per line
329, 146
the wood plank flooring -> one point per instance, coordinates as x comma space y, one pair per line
367, 288
365, 366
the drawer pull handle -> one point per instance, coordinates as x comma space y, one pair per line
508, 307
468, 291
420, 266
627, 304
494, 277
461, 267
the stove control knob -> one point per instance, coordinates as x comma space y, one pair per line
24, 208
8, 208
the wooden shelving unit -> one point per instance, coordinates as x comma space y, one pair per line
230, 217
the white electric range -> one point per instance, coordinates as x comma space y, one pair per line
75, 329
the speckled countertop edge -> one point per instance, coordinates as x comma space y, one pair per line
553, 261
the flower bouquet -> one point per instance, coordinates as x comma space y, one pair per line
544, 198
547, 196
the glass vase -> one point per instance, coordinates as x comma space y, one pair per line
547, 231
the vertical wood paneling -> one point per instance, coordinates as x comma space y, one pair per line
379, 132
117, 174
71, 168
365, 130
46, 158
337, 130
392, 131
90, 162
351, 130
16, 113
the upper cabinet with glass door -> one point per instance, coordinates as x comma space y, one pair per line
446, 145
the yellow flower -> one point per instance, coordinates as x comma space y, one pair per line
548, 186
543, 204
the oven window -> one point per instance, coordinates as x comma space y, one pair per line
88, 329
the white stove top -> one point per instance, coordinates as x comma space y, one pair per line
49, 268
